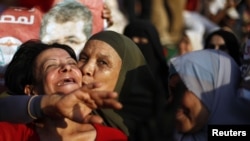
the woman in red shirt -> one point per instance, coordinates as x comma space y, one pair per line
50, 69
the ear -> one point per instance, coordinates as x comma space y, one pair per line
29, 90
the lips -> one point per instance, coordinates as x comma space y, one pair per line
66, 81
86, 80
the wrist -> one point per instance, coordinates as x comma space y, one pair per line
48, 105
34, 109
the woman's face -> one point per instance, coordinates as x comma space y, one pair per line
218, 43
101, 64
57, 72
191, 114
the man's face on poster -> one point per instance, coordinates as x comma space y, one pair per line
69, 33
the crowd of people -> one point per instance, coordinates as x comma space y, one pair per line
173, 69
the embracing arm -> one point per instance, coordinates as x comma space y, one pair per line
75, 106
14, 108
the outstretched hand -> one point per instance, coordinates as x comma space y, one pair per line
106, 99
102, 99
74, 106
78, 104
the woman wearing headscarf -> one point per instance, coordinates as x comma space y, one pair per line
115, 62
50, 69
146, 37
225, 40
207, 81
135, 82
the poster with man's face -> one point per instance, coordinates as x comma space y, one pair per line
21, 23
96, 7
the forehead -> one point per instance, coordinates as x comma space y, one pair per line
217, 39
100, 47
56, 31
52, 53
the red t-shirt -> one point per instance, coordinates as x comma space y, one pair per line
17, 132
105, 133
26, 132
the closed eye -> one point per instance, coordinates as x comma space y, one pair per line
102, 62
83, 58
72, 62
50, 66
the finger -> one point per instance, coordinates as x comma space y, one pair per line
106, 100
98, 96
93, 119
103, 94
110, 103
91, 104
90, 86
87, 87
87, 101
85, 98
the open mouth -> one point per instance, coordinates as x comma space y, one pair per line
66, 81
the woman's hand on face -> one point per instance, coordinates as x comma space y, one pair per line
75, 106
106, 99
103, 99
78, 104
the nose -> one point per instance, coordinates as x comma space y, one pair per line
65, 68
88, 68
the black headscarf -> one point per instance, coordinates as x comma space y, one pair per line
231, 41
153, 51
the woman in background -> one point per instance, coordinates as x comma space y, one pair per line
206, 84
225, 40
146, 37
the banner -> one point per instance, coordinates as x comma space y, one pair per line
19, 24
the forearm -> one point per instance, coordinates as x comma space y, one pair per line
15, 108
75, 106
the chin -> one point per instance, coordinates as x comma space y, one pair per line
68, 89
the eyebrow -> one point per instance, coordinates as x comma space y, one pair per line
103, 55
68, 58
